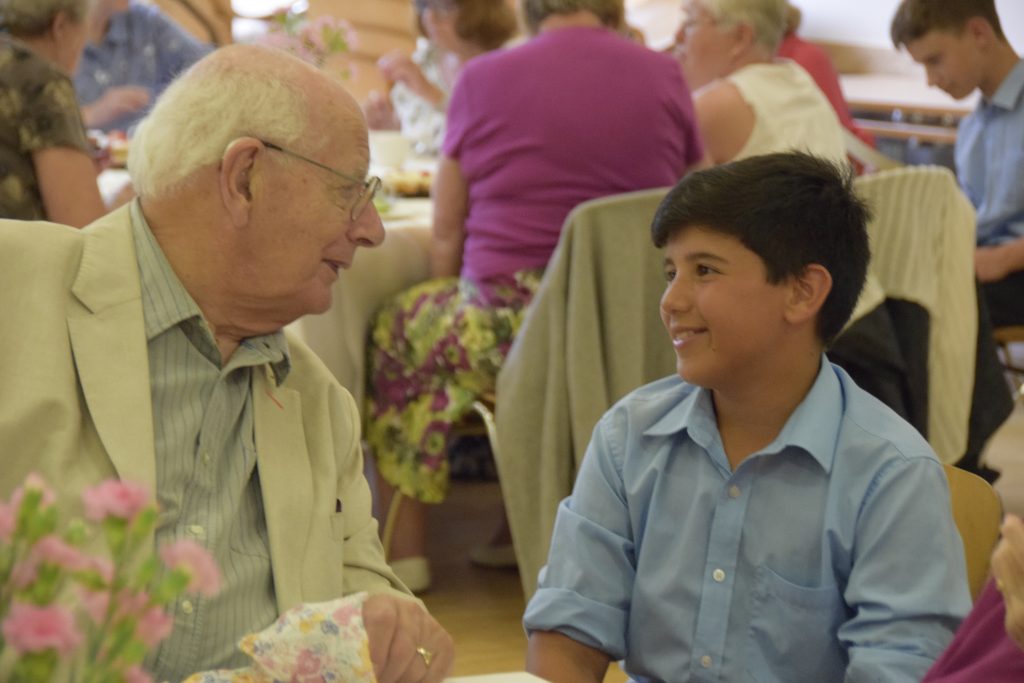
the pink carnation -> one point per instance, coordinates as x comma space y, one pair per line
136, 675
204, 577
33, 482
113, 498
54, 550
29, 628
8, 520
95, 604
154, 625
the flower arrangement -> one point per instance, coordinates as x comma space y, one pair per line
314, 40
68, 615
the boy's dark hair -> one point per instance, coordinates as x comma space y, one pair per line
915, 18
790, 209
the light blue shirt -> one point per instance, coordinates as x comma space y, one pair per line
142, 47
829, 555
990, 161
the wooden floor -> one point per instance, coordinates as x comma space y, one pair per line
481, 608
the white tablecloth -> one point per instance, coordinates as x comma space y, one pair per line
339, 335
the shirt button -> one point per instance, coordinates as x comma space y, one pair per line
186, 606
734, 491
705, 661
196, 530
718, 575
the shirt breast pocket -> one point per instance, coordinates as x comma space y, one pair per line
793, 630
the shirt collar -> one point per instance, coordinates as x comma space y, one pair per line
813, 426
166, 303
1009, 92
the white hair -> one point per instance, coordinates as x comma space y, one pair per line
34, 17
766, 17
197, 117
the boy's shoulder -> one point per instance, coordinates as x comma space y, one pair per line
875, 430
657, 403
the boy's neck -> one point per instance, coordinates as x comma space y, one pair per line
1003, 61
751, 418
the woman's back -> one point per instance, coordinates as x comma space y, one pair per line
790, 112
573, 114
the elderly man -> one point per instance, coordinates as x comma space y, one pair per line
149, 347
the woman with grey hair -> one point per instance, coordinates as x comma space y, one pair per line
574, 113
748, 102
46, 171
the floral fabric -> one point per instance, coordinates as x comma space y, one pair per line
319, 642
38, 110
434, 350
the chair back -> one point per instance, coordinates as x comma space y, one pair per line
591, 335
978, 512
922, 250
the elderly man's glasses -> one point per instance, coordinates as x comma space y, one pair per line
369, 186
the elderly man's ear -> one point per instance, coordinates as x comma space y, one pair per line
237, 168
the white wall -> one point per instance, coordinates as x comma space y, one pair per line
866, 22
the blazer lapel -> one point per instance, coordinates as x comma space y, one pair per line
286, 482
108, 340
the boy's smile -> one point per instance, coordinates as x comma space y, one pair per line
724, 318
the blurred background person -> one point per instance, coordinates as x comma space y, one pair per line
747, 102
574, 113
46, 167
817, 63
451, 33
134, 52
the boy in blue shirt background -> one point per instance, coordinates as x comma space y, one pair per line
962, 47
757, 517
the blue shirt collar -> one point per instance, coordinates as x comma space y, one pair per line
1010, 90
808, 428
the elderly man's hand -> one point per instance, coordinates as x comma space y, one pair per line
1008, 570
406, 643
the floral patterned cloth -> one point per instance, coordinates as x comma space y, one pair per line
316, 642
435, 349
421, 121
38, 110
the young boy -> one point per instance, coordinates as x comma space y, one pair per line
962, 47
758, 517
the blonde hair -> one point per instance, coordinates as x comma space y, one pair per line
766, 17
198, 116
34, 17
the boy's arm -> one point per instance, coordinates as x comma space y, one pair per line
995, 263
907, 590
559, 658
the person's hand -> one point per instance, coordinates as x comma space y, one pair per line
114, 103
1008, 570
398, 67
993, 263
406, 643
380, 114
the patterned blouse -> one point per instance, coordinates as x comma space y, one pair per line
38, 110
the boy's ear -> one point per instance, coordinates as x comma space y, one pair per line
980, 31
807, 293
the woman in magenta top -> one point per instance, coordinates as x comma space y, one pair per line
576, 112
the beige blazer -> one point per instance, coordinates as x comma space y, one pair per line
75, 406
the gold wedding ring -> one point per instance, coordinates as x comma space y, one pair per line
426, 654
999, 585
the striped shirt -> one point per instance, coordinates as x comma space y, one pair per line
206, 478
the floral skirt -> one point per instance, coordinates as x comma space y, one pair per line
434, 350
